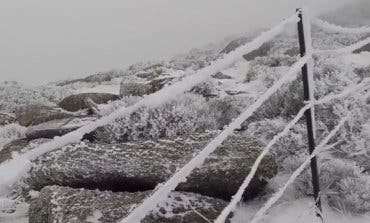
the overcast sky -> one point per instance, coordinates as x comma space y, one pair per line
49, 40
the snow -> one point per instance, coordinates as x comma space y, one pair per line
322, 146
12, 170
103, 88
95, 217
358, 60
297, 211
162, 191
294, 211
238, 196
11, 132
10, 215
363, 85
335, 28
346, 50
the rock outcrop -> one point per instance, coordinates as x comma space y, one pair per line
6, 119
143, 88
37, 114
139, 166
77, 102
262, 51
49, 130
365, 48
18, 146
14, 146
64, 204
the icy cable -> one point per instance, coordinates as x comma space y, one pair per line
238, 196
321, 147
339, 29
345, 50
12, 170
160, 193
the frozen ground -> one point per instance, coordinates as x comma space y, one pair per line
295, 211
288, 210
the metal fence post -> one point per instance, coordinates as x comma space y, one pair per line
309, 115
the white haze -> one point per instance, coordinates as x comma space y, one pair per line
44, 40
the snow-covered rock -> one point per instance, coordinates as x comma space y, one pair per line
37, 114
143, 88
68, 205
14, 146
57, 127
77, 102
262, 51
6, 119
365, 48
19, 146
142, 165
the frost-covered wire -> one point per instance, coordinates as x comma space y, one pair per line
12, 170
345, 50
259, 215
238, 196
161, 193
363, 85
339, 29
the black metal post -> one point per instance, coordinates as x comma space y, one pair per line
309, 116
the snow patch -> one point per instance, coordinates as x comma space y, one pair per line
95, 217
358, 60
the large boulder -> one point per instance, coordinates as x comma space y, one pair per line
363, 72
234, 44
36, 114
49, 130
77, 102
134, 89
365, 48
262, 51
14, 146
143, 88
67, 205
142, 165
18, 146
6, 119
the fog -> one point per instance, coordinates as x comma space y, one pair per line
45, 40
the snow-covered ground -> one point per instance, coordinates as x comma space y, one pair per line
289, 210
294, 211
358, 60
103, 88
10, 132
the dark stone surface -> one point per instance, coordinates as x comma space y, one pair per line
138, 166
365, 48
262, 51
6, 119
77, 102
36, 114
67, 205
49, 130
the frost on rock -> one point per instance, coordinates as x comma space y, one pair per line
63, 204
137, 166
11, 132
171, 128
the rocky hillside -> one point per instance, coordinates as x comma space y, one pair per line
115, 167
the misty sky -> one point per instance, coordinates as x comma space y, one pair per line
49, 40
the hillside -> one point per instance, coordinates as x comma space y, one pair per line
114, 168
